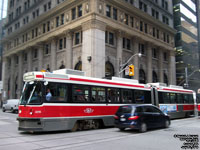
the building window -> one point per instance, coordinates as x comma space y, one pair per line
79, 10
145, 28
142, 6
126, 19
108, 10
35, 53
62, 19
142, 76
158, 34
165, 56
141, 48
165, 79
154, 53
77, 38
45, 8
60, 44
57, 21
49, 5
46, 49
167, 38
109, 38
115, 13
25, 56
132, 21
44, 28
154, 32
48, 26
164, 36
155, 77
165, 20
73, 13
141, 26
126, 43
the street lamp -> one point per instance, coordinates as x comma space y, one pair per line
123, 65
187, 76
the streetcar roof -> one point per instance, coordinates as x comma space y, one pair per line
68, 78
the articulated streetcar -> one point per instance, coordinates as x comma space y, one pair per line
62, 101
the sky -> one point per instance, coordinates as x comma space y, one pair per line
3, 9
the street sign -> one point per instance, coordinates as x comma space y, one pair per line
127, 70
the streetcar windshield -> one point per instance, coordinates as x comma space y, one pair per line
32, 93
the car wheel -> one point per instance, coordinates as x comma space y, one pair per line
167, 123
3, 109
121, 129
143, 127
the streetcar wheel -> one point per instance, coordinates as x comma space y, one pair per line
96, 124
143, 128
75, 128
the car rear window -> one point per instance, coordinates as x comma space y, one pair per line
125, 109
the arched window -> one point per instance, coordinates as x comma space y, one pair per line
109, 70
78, 66
142, 77
155, 77
165, 79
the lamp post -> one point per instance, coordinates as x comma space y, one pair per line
123, 65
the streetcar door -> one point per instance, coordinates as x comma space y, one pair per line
154, 96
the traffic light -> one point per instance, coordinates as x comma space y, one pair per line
131, 70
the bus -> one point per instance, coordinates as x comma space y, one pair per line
67, 100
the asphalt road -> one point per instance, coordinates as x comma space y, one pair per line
101, 139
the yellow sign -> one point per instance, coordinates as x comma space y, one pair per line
131, 70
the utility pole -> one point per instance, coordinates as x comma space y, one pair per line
186, 77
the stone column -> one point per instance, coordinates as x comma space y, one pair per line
30, 59
69, 52
93, 48
40, 57
172, 68
12, 72
5, 78
160, 65
20, 73
119, 54
149, 63
136, 58
53, 54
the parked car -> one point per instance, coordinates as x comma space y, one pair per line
140, 117
10, 105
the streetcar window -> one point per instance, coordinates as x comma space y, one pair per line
166, 98
80, 93
191, 100
185, 98
56, 92
160, 97
139, 96
179, 98
32, 93
173, 98
98, 94
113, 95
147, 97
126, 96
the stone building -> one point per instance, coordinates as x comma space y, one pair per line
95, 36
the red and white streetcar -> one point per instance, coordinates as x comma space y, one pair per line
64, 101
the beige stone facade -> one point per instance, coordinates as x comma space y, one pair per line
97, 36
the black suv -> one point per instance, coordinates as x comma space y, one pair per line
141, 117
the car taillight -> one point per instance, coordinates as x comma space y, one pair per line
116, 117
133, 118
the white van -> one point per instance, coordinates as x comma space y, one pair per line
10, 105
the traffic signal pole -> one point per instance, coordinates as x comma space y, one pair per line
123, 65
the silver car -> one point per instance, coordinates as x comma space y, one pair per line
10, 105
